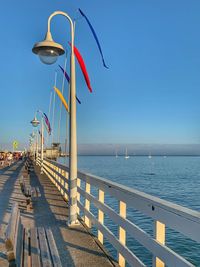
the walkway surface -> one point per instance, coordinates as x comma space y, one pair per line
76, 247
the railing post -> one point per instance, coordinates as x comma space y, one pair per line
39, 160
101, 215
159, 234
54, 175
78, 194
58, 178
67, 185
87, 205
62, 172
42, 145
50, 171
122, 232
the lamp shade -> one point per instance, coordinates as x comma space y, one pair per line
35, 122
48, 50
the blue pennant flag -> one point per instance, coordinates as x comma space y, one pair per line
95, 36
68, 79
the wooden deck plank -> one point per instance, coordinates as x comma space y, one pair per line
53, 248
27, 258
11, 229
44, 250
35, 251
19, 243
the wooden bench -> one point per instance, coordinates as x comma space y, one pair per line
29, 247
31, 193
28, 165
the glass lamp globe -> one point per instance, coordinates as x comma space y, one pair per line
48, 56
35, 122
48, 50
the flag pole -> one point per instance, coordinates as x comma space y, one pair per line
53, 111
63, 85
49, 113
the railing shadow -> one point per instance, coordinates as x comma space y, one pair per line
51, 211
45, 215
7, 189
4, 169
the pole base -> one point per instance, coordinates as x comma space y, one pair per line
71, 224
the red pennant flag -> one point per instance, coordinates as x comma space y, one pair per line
83, 67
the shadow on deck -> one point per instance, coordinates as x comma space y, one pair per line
9, 193
75, 245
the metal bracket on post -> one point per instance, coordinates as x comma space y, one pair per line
72, 198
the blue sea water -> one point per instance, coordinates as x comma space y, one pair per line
176, 179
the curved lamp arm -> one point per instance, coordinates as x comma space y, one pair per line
40, 112
69, 19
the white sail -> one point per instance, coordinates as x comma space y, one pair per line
126, 155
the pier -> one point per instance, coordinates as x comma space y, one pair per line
118, 97
75, 244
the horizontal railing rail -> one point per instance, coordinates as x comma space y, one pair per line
163, 213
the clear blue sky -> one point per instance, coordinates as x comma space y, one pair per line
151, 92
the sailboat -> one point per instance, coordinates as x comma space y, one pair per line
126, 155
116, 155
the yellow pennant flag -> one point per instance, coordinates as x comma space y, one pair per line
61, 98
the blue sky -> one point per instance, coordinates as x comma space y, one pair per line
151, 92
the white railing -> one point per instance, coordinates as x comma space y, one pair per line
38, 160
163, 213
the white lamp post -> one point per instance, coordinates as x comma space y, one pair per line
35, 123
36, 147
48, 51
33, 138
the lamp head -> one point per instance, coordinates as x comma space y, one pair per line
48, 50
35, 122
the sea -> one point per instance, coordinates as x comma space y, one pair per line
173, 178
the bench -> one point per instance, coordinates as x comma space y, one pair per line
28, 165
31, 193
29, 247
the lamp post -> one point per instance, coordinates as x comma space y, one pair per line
31, 145
48, 51
36, 147
35, 122
33, 138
